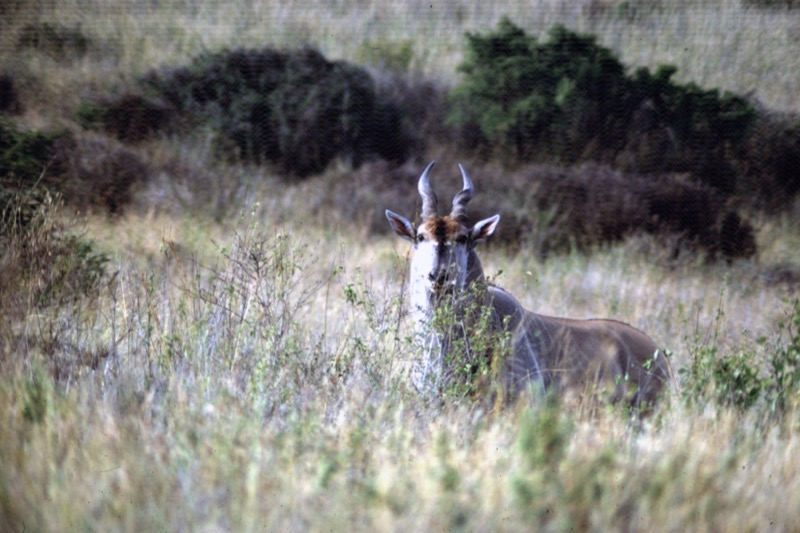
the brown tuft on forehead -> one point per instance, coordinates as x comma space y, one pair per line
443, 228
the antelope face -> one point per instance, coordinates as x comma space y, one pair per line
440, 257
442, 244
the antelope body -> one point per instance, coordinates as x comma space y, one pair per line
570, 357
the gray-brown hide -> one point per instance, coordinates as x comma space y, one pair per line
571, 357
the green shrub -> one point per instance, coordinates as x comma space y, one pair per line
24, 156
524, 96
784, 366
34, 404
73, 268
742, 380
731, 381
570, 100
737, 381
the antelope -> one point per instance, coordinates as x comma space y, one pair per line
573, 358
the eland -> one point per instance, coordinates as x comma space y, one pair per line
472, 331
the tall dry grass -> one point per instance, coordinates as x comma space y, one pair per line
251, 375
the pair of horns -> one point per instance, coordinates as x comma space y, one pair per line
430, 202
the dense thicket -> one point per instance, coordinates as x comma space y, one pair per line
571, 100
294, 109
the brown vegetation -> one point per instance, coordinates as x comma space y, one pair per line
770, 162
553, 209
9, 97
93, 172
130, 117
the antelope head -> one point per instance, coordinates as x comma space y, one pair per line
444, 260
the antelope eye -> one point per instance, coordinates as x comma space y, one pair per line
420, 237
461, 240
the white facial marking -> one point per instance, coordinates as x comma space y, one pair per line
440, 258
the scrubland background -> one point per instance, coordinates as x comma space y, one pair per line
196, 342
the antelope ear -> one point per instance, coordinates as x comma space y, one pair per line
484, 229
401, 226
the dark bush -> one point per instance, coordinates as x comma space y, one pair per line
95, 173
357, 200
24, 156
570, 100
736, 236
555, 210
414, 106
129, 117
770, 162
56, 40
9, 98
294, 109
86, 172
773, 4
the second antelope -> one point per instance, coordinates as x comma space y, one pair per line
490, 335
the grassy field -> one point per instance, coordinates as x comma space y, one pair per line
242, 366
257, 383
